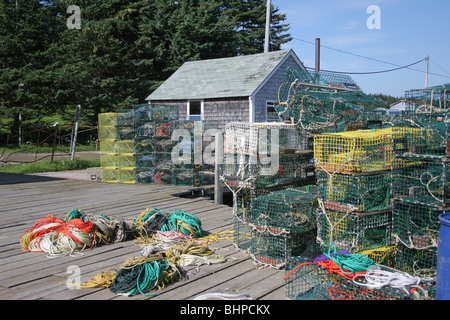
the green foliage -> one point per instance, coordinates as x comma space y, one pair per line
124, 50
50, 166
386, 98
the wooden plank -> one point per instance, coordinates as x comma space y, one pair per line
34, 276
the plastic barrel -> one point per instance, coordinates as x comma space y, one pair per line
443, 259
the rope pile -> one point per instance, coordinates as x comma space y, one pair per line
153, 220
56, 237
171, 240
152, 270
143, 274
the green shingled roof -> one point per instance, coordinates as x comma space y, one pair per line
219, 78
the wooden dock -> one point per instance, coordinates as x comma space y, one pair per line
25, 199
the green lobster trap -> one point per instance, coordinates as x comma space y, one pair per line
243, 171
417, 262
355, 231
416, 225
423, 134
425, 181
356, 192
285, 211
274, 250
312, 280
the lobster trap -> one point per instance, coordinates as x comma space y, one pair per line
275, 250
424, 181
110, 174
262, 139
356, 151
285, 211
109, 160
356, 192
354, 232
419, 263
428, 100
314, 281
319, 112
423, 134
416, 225
322, 102
243, 171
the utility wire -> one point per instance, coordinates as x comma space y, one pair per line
375, 72
440, 67
368, 58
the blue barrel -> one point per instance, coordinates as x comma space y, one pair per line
443, 259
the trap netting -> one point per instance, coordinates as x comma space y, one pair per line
355, 193
416, 225
318, 281
428, 100
147, 144
243, 171
323, 102
267, 249
423, 134
424, 181
354, 232
257, 139
242, 209
417, 262
356, 151
285, 211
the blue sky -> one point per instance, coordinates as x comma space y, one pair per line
409, 31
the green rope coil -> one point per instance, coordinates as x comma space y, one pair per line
351, 262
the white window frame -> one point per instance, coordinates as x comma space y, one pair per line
188, 115
272, 103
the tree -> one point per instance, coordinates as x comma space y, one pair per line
250, 25
25, 32
123, 51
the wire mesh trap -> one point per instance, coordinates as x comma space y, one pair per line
357, 192
423, 181
416, 225
354, 231
356, 151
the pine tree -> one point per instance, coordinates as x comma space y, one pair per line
25, 85
250, 24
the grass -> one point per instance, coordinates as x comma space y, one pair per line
50, 166
44, 148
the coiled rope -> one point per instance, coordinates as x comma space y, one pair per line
56, 237
376, 278
143, 274
153, 220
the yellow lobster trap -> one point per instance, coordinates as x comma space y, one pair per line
357, 151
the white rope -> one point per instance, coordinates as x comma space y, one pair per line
223, 296
377, 279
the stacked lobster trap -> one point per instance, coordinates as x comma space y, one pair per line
261, 159
149, 145
421, 186
354, 174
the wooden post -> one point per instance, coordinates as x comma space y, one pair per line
218, 193
75, 131
54, 140
317, 69
268, 16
